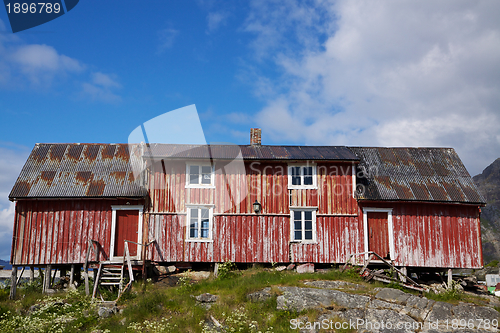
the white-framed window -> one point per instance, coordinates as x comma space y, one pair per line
200, 221
302, 176
199, 175
303, 224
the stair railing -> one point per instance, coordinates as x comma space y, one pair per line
93, 245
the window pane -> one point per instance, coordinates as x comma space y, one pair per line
308, 225
204, 224
295, 175
297, 215
308, 180
204, 213
308, 177
308, 215
194, 212
298, 225
298, 235
194, 174
204, 233
206, 175
193, 231
308, 235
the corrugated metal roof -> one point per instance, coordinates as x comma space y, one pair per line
78, 170
414, 174
249, 152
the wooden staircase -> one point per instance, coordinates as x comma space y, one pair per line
110, 274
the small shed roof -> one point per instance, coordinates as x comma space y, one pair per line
414, 174
77, 170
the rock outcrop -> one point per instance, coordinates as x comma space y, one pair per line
389, 310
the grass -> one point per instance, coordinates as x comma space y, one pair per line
151, 307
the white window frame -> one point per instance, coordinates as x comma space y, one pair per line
114, 208
201, 164
210, 223
292, 225
389, 225
314, 167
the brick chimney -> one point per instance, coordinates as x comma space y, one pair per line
255, 136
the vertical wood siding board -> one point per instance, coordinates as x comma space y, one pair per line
43, 241
463, 244
98, 223
35, 235
468, 234
65, 225
171, 240
247, 220
78, 235
18, 236
465, 232
269, 239
26, 215
438, 245
239, 239
254, 238
60, 234
20, 239
450, 257
73, 231
55, 231
341, 193
17, 250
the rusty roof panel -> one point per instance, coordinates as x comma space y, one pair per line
248, 152
77, 170
415, 174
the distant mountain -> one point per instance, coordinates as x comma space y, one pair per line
488, 183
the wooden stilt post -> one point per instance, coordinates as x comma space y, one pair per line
72, 275
13, 283
450, 278
48, 277
86, 276
401, 276
32, 273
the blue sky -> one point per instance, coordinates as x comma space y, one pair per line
374, 73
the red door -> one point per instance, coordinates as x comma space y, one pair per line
126, 228
378, 234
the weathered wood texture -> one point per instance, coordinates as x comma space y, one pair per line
436, 235
57, 231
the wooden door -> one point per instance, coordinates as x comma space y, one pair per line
126, 228
378, 234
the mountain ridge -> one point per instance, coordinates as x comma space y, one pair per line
488, 184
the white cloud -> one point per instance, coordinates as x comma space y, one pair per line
215, 20
383, 73
105, 80
166, 39
41, 66
101, 88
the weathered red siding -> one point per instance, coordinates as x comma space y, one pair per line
57, 231
436, 235
239, 238
264, 182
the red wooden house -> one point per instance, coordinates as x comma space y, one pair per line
417, 207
